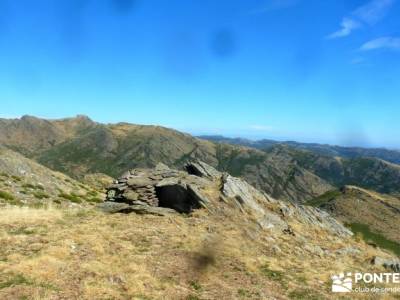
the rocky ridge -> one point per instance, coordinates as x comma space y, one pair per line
162, 191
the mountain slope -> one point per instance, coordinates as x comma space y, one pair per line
23, 181
370, 173
360, 208
30, 135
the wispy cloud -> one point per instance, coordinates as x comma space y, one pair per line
347, 26
261, 127
382, 43
370, 14
373, 11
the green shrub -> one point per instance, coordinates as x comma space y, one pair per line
195, 285
32, 186
14, 280
16, 178
71, 197
41, 195
92, 193
28, 186
94, 200
6, 196
271, 274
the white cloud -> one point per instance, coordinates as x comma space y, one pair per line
383, 42
260, 128
347, 26
370, 14
373, 11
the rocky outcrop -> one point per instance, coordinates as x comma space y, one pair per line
162, 191
156, 191
389, 264
201, 169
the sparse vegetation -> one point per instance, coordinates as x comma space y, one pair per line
305, 294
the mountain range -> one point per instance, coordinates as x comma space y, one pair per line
79, 146
273, 209
323, 149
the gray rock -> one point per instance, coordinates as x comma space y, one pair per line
315, 217
390, 264
161, 167
131, 195
139, 182
112, 207
151, 210
348, 251
200, 198
168, 182
242, 192
201, 169
271, 221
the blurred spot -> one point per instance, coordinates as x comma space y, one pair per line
207, 255
72, 25
306, 61
353, 135
184, 56
223, 43
124, 6
3, 14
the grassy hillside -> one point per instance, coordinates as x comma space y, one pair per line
375, 216
25, 182
85, 254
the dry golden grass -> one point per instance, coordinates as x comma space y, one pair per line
26, 215
84, 254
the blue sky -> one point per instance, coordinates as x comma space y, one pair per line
306, 70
